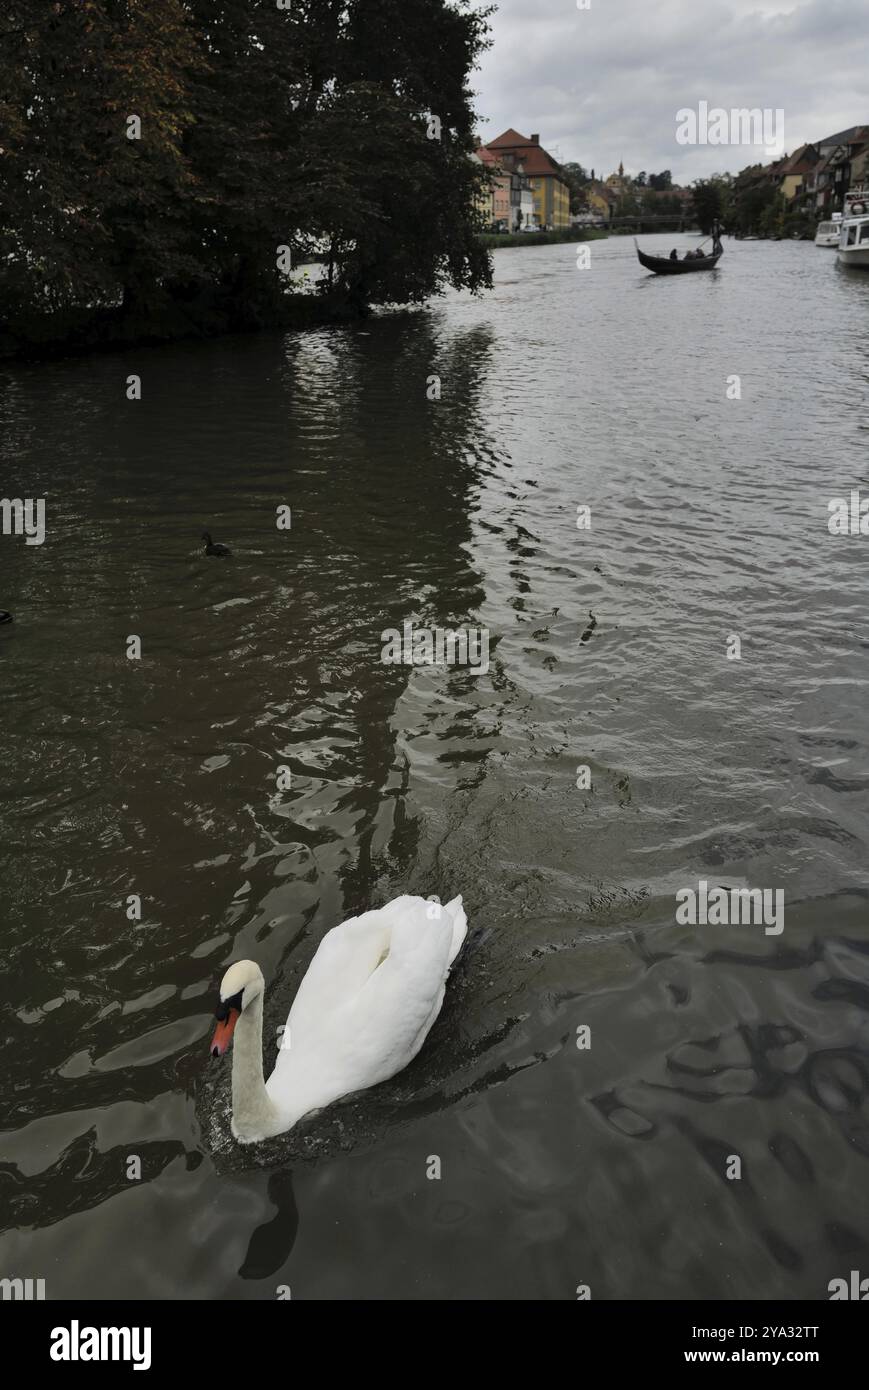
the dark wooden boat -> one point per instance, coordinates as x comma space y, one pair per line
662, 265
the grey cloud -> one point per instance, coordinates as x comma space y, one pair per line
605, 84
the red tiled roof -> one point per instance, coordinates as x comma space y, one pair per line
800, 162
495, 166
510, 138
535, 159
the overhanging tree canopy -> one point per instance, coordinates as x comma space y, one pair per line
260, 127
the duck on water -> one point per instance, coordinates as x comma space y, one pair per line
214, 547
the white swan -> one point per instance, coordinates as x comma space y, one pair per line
362, 1012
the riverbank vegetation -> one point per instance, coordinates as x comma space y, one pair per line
749, 206
165, 163
494, 241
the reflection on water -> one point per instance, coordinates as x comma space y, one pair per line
157, 778
271, 1244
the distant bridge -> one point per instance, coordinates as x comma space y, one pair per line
656, 222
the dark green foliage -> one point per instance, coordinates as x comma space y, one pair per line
261, 128
709, 203
577, 178
87, 216
497, 240
758, 207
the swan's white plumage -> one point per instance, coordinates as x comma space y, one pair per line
361, 1013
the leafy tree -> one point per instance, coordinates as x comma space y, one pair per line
753, 195
708, 203
316, 131
254, 93
630, 202
772, 218
668, 203
662, 182
389, 210
345, 123
577, 181
419, 194
88, 214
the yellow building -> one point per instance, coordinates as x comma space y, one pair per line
598, 202
618, 182
792, 172
550, 190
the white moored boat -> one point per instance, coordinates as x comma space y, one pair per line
827, 234
854, 229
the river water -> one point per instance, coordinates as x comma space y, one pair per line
562, 1165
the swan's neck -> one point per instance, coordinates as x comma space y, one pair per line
253, 1115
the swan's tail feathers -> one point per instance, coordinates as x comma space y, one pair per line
460, 925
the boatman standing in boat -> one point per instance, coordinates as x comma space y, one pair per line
700, 254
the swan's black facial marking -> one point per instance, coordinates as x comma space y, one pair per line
228, 1012
222, 1011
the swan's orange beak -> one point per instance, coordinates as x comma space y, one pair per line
223, 1033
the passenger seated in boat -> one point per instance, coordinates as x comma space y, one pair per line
674, 254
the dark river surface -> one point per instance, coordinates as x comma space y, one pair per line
561, 1165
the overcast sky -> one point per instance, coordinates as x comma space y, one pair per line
604, 84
